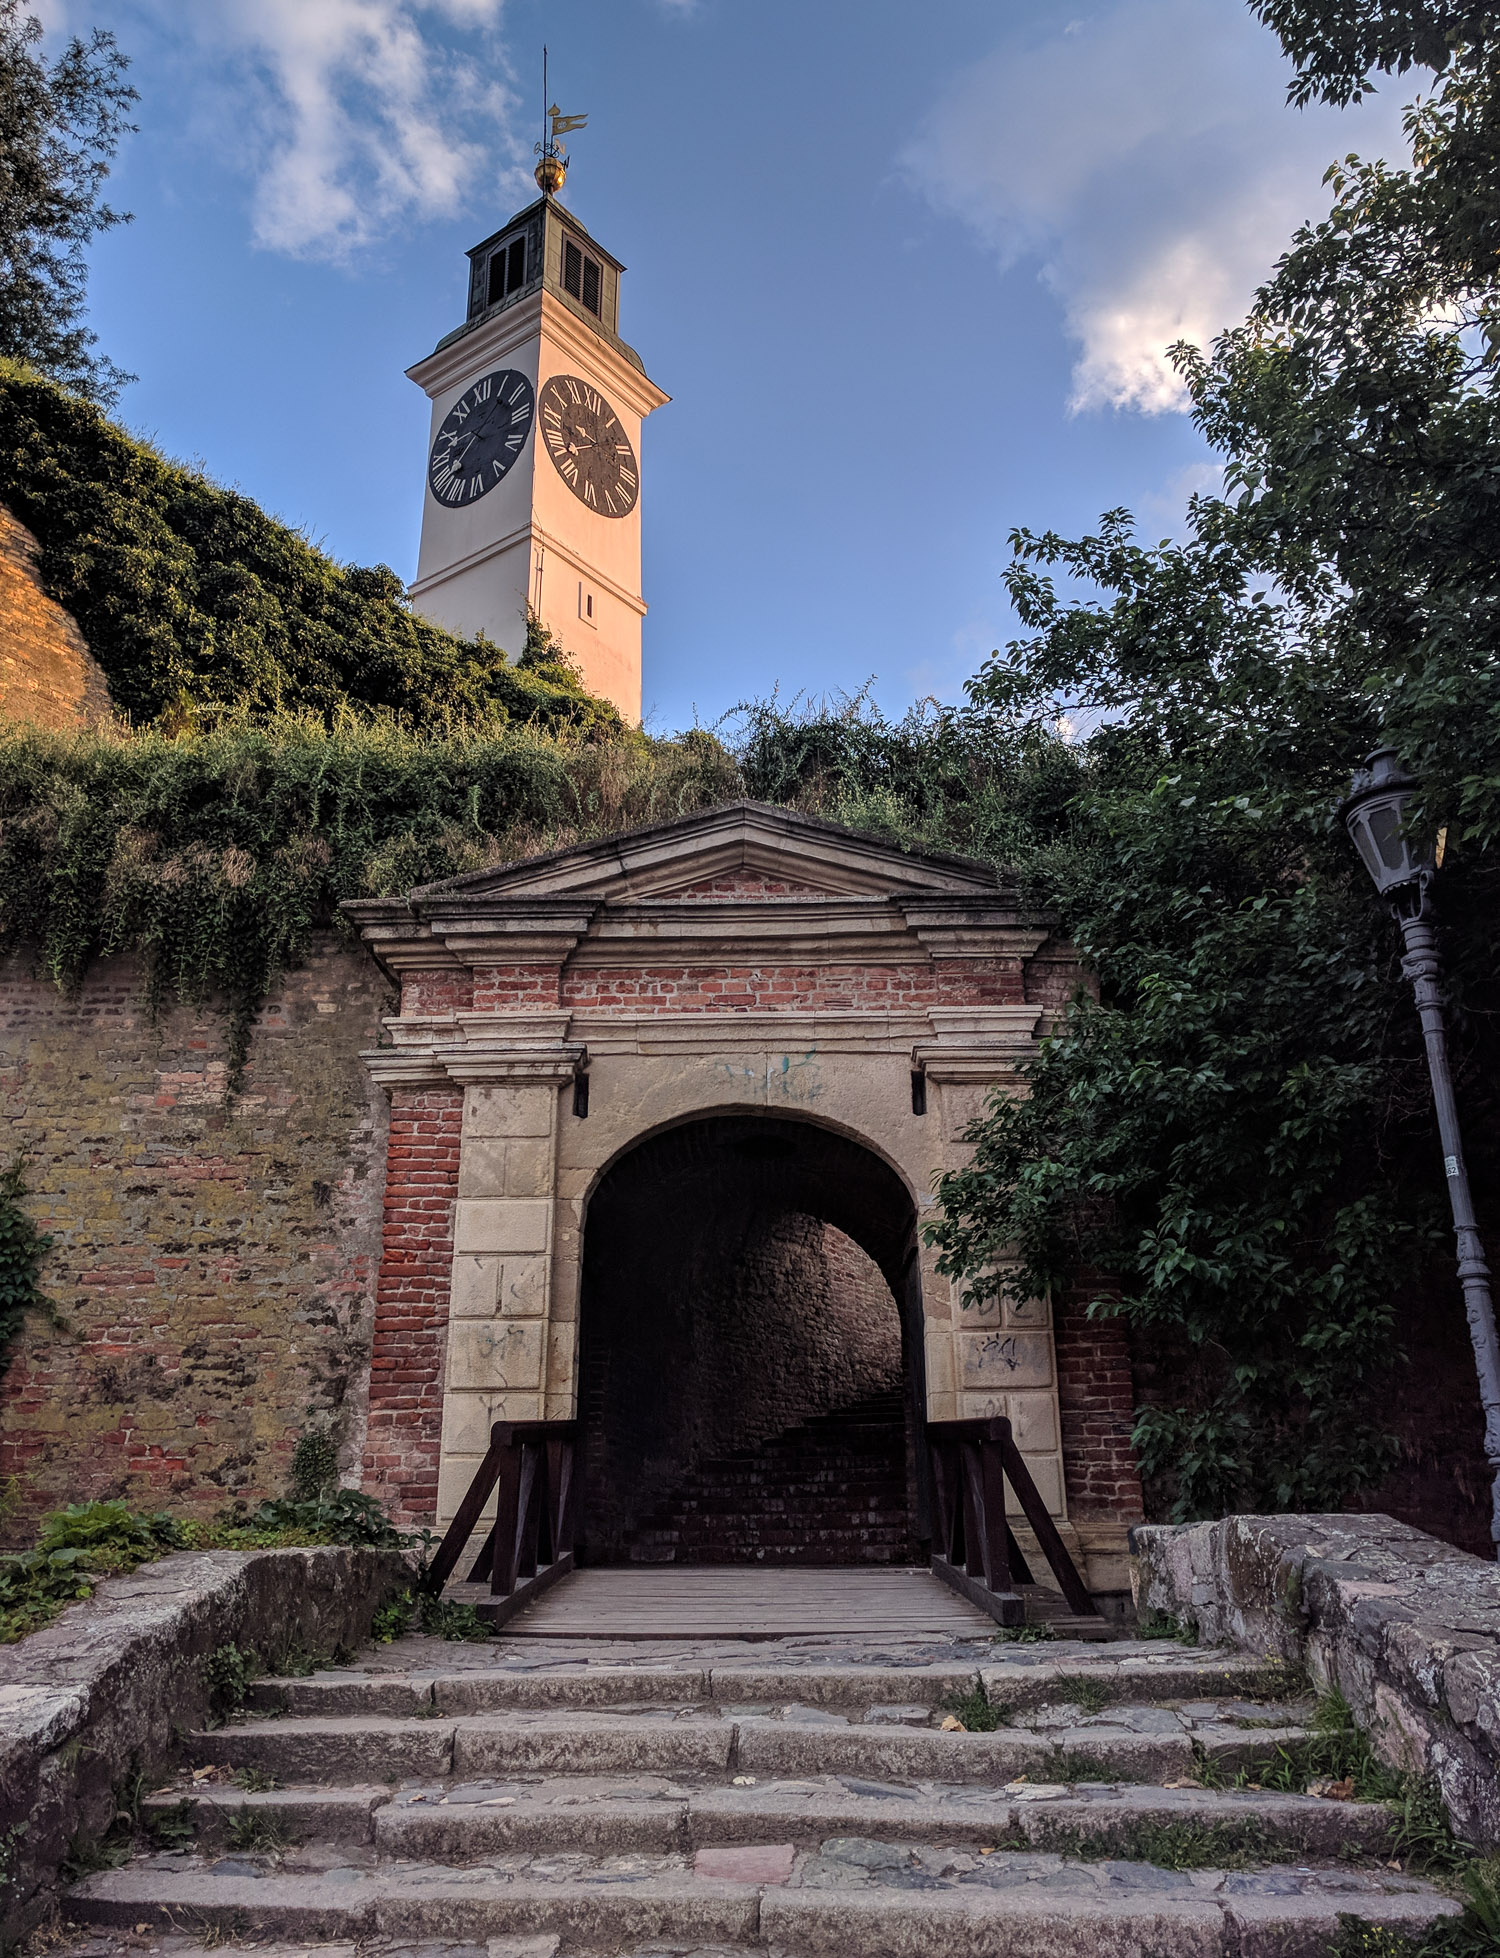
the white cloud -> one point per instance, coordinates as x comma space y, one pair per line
354, 116
1146, 158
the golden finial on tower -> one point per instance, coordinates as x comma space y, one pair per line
552, 166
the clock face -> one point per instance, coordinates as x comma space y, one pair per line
591, 450
481, 436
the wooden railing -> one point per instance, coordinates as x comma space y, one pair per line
974, 1547
530, 1466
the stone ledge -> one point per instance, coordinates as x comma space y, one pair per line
99, 1695
1406, 1627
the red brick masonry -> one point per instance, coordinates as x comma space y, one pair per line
408, 1351
1096, 1401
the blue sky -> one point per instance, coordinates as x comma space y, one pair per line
906, 270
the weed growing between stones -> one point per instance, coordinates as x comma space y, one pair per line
255, 1781
1089, 1695
1338, 1751
1068, 1766
1474, 1935
261, 1834
175, 1827
977, 1711
1161, 1624
226, 1674
1237, 1845
1024, 1635
438, 1617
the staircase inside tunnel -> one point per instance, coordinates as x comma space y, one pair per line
748, 1392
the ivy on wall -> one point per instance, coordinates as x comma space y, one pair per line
22, 1249
214, 856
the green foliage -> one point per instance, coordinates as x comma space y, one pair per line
344, 1516
1162, 1624
22, 1248
216, 856
1243, 1844
392, 1620
77, 1547
1090, 1695
951, 778
60, 124
1067, 1766
1337, 1749
255, 1781
1042, 1634
258, 1832
315, 1466
227, 1672
1476, 1934
1238, 1125
175, 1827
202, 609
978, 1712
417, 1607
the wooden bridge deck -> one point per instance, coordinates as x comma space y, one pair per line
746, 1601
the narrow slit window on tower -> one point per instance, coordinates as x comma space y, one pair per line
581, 275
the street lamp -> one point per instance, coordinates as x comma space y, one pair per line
1375, 814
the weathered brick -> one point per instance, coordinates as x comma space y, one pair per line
213, 1266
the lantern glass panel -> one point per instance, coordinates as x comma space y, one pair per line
1384, 823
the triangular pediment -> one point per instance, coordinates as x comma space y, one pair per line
742, 852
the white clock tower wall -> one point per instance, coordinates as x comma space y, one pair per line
530, 541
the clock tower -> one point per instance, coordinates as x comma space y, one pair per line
533, 471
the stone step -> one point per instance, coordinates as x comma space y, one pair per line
455, 1823
1125, 1743
1141, 1672
856, 1898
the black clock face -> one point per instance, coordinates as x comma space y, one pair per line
591, 450
481, 436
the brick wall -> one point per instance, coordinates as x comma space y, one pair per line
214, 1264
721, 989
47, 674
437, 992
1096, 1403
409, 1348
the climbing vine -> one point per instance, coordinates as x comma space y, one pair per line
22, 1249
215, 856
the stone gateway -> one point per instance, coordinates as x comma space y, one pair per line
666, 1113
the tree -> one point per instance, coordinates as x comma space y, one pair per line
60, 125
1238, 1126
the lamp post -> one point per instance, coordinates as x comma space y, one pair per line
1375, 815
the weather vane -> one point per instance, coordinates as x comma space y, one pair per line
552, 168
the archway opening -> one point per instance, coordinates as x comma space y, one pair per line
750, 1381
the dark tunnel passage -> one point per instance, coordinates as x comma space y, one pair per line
750, 1351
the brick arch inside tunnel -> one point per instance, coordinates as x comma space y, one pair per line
750, 1384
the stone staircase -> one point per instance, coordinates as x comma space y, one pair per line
799, 1798
831, 1490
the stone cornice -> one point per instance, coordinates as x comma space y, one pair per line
978, 1044
501, 337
